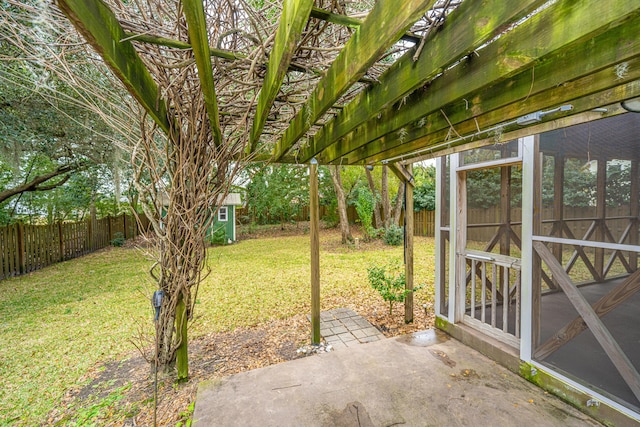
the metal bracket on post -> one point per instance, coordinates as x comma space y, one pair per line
402, 173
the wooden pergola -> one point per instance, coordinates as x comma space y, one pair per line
467, 73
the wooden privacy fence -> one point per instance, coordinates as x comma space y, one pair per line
424, 221
26, 248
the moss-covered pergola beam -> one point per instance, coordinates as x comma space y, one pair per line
586, 71
178, 44
469, 26
520, 49
197, 27
382, 28
295, 14
347, 21
435, 145
101, 29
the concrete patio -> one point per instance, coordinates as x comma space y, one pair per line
425, 379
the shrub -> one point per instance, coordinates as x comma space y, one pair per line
389, 280
389, 284
118, 239
394, 235
218, 237
364, 207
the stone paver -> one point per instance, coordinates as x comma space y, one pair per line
343, 327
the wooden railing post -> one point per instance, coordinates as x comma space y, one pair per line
634, 211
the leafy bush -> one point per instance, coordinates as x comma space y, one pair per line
389, 281
364, 207
394, 235
218, 237
118, 239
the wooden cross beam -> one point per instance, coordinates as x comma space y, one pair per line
402, 173
469, 26
579, 251
347, 21
197, 27
382, 28
533, 43
295, 14
584, 71
603, 336
219, 53
605, 305
101, 29
179, 44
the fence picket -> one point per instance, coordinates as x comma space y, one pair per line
26, 248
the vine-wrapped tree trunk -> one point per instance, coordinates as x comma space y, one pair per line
342, 204
397, 208
181, 225
376, 206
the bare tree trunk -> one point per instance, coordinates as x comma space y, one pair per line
397, 209
376, 208
345, 230
386, 203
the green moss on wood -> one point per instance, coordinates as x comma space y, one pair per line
384, 25
458, 37
100, 27
586, 20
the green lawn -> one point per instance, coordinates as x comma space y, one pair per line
58, 322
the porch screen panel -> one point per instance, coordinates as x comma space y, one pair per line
490, 153
589, 227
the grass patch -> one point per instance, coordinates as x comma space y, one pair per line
258, 280
60, 321
57, 322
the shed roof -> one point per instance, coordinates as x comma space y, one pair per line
231, 199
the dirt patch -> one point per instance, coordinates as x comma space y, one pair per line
121, 392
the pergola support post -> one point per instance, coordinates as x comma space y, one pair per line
314, 228
408, 247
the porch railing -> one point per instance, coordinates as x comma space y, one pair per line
492, 294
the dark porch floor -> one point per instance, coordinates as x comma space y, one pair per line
583, 357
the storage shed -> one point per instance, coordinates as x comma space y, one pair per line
223, 227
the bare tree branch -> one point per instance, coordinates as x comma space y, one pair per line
37, 183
